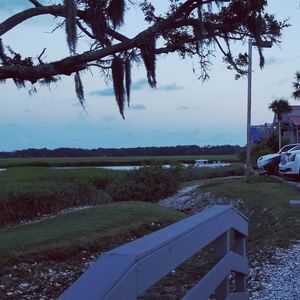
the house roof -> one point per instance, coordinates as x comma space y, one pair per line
295, 120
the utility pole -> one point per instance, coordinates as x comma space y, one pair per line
248, 146
263, 44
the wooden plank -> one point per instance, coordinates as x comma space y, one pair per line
209, 283
294, 203
238, 296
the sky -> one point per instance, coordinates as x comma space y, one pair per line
180, 111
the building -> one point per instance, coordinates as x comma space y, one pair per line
261, 131
290, 125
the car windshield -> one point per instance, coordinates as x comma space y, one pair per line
289, 147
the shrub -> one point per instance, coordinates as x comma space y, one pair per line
30, 201
146, 184
192, 173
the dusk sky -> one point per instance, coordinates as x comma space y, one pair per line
181, 111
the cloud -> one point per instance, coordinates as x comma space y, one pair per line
138, 107
182, 108
137, 86
170, 87
274, 61
105, 92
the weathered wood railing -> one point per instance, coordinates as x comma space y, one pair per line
128, 271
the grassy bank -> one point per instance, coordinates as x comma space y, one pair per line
109, 161
265, 202
93, 227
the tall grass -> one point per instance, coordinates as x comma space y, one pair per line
108, 161
29, 192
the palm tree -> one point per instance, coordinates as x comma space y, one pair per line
296, 86
279, 107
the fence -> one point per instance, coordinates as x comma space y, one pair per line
128, 271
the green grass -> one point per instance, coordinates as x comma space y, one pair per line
107, 161
82, 229
265, 203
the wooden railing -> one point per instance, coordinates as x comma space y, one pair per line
128, 271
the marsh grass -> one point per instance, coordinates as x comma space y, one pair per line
30, 192
108, 161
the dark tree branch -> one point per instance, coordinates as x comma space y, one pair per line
35, 3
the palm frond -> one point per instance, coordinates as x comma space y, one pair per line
296, 86
115, 11
79, 88
149, 58
71, 29
118, 82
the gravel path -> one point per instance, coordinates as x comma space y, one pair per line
278, 279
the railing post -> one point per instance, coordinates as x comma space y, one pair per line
240, 248
223, 247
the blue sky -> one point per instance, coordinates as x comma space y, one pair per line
180, 111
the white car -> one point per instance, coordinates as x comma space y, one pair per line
290, 162
270, 162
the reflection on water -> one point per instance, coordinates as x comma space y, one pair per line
129, 168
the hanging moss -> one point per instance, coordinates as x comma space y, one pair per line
97, 19
2, 53
118, 81
115, 11
71, 29
127, 78
79, 88
149, 58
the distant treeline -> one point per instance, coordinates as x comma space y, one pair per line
139, 151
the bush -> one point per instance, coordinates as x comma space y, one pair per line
192, 173
32, 200
146, 184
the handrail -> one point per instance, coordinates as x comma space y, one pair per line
128, 271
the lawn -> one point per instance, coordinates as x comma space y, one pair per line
91, 227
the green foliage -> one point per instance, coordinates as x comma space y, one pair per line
146, 184
30, 192
191, 173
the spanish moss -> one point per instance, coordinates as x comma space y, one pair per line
71, 29
115, 11
118, 81
97, 19
2, 53
127, 78
149, 58
79, 88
